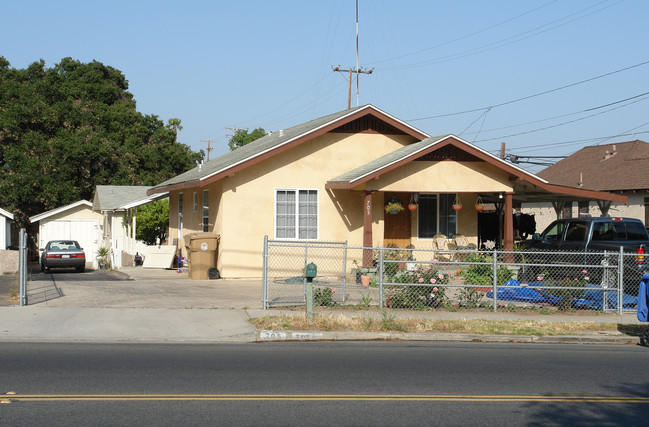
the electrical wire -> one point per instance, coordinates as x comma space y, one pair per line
504, 42
531, 96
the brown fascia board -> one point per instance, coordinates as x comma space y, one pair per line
309, 136
591, 194
173, 187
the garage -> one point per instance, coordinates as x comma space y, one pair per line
76, 221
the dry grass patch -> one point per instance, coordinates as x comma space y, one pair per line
389, 322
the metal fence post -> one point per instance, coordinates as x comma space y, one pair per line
22, 267
344, 272
620, 281
381, 277
264, 275
495, 278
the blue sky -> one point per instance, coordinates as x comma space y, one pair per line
581, 65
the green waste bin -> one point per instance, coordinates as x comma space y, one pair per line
202, 253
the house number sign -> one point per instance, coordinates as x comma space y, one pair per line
368, 207
203, 246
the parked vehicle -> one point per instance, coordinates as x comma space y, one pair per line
583, 236
63, 254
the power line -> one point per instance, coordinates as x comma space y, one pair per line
643, 95
558, 124
466, 36
531, 96
503, 42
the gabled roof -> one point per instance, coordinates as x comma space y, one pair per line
527, 186
121, 197
58, 210
610, 167
415, 151
277, 142
6, 213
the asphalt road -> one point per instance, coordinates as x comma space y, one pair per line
341, 383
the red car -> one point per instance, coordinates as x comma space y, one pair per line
63, 254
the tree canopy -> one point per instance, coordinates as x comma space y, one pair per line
152, 221
66, 129
242, 137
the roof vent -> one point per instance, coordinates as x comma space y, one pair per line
281, 133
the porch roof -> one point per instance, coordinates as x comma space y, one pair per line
121, 197
527, 186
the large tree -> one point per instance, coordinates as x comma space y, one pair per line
242, 137
66, 129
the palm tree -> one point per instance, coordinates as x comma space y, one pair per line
175, 124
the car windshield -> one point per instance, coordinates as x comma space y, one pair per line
60, 245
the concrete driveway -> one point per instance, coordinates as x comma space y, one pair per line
138, 287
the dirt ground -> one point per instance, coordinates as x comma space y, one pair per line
8, 286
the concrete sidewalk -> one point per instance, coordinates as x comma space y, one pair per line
165, 325
163, 306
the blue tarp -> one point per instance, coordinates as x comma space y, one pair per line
522, 294
593, 297
643, 299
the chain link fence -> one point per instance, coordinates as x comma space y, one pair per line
427, 279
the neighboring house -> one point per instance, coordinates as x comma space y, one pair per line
116, 204
329, 180
5, 228
617, 168
75, 221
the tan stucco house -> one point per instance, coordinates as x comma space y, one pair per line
329, 180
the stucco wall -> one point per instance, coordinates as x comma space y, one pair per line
8, 262
544, 213
242, 207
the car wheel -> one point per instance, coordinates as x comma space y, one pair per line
81, 269
42, 267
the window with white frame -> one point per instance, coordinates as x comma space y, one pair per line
296, 214
206, 210
435, 215
195, 202
180, 215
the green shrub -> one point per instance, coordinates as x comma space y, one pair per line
324, 297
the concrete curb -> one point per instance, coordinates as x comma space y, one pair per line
266, 336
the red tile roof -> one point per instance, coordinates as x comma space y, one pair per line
610, 167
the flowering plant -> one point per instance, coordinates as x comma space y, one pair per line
422, 289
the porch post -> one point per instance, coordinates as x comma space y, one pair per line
367, 230
508, 223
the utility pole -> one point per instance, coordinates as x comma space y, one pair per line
502, 150
352, 70
209, 148
233, 129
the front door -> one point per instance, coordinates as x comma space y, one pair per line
396, 227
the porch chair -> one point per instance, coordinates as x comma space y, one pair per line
440, 245
461, 242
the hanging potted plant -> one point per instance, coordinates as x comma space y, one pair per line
393, 206
457, 204
412, 205
479, 206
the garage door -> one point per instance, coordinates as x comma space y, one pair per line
86, 232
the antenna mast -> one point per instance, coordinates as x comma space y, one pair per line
356, 70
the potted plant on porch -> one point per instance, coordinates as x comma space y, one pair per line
393, 206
